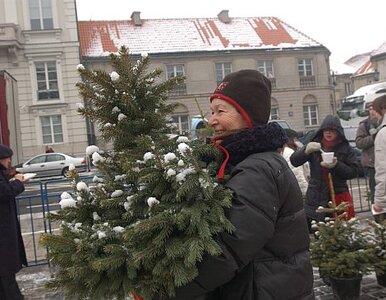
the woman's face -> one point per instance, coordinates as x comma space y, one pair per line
6, 162
373, 113
225, 119
330, 134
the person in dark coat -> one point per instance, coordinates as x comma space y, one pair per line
267, 256
329, 137
12, 252
364, 140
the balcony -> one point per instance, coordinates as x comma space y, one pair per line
307, 81
10, 35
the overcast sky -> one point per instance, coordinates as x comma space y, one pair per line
345, 27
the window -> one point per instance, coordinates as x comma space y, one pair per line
54, 157
52, 130
47, 80
265, 67
40, 14
180, 118
38, 160
306, 73
274, 113
222, 69
274, 109
173, 71
310, 114
305, 67
182, 123
347, 88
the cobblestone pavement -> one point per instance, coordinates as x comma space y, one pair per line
32, 280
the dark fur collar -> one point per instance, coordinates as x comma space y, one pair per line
258, 139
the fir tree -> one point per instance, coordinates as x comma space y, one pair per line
154, 208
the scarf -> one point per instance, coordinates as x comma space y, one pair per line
258, 139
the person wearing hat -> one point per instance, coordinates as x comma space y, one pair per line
329, 138
364, 140
12, 252
267, 256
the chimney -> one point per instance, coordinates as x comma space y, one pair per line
224, 16
136, 18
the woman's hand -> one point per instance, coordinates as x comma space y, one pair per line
312, 147
20, 177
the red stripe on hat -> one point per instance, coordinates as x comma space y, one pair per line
236, 105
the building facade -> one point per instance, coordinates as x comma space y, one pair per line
207, 49
360, 70
39, 47
41, 43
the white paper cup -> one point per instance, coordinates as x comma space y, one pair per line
328, 157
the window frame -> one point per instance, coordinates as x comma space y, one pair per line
276, 115
52, 126
175, 72
263, 67
307, 114
222, 69
347, 89
181, 129
305, 67
47, 81
45, 18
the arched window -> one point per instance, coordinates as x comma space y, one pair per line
180, 117
274, 110
310, 111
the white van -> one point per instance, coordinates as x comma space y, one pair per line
355, 104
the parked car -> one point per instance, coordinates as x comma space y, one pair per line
282, 123
52, 164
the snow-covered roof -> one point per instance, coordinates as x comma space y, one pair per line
358, 60
380, 50
362, 62
339, 68
99, 38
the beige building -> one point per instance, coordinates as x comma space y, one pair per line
358, 71
206, 49
39, 47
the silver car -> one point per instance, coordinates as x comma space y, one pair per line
52, 164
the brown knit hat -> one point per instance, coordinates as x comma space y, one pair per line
5, 151
249, 92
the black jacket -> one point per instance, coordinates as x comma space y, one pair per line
267, 256
346, 168
12, 252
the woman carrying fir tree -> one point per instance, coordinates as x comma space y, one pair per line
267, 256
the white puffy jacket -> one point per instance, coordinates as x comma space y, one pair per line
380, 166
298, 171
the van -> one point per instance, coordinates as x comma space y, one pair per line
355, 104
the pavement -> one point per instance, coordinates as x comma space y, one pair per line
32, 284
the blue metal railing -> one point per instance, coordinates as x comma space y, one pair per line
42, 197
33, 205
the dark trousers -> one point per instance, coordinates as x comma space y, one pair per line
371, 177
9, 289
